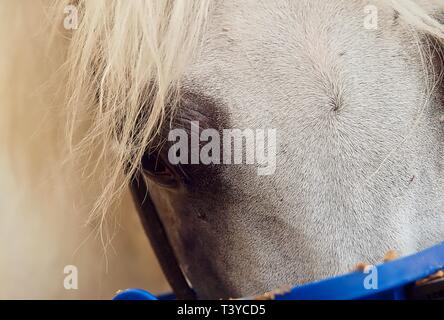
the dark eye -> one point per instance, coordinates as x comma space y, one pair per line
155, 168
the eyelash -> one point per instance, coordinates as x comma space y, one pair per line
155, 168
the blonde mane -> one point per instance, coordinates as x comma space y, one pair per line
80, 107
124, 64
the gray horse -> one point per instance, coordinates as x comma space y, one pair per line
359, 158
267, 143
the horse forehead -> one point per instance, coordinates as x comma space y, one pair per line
255, 12
285, 31
311, 70
286, 53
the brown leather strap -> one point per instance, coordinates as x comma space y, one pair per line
159, 240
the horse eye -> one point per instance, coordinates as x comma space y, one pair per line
153, 164
157, 170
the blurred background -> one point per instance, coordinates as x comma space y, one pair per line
45, 200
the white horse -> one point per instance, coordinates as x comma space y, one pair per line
353, 89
